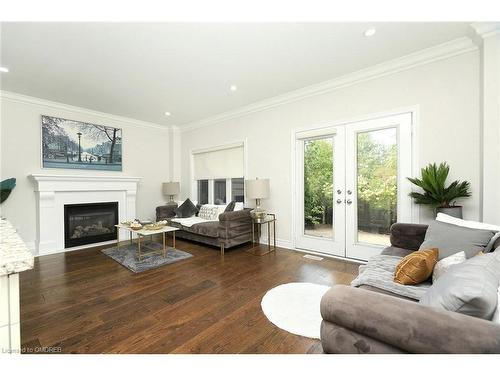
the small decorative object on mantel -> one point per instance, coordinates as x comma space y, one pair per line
257, 189
170, 189
6, 187
436, 194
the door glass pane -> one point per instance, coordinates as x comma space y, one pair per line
238, 189
220, 191
377, 173
202, 191
318, 187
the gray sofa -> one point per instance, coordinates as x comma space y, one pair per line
233, 228
369, 320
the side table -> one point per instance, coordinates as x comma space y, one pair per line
257, 223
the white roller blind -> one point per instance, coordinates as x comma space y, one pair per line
221, 163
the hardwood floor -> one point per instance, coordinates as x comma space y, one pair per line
85, 302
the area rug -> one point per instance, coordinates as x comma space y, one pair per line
126, 255
294, 307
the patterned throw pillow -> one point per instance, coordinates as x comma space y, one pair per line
444, 264
416, 267
209, 212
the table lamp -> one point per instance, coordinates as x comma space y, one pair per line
257, 189
170, 189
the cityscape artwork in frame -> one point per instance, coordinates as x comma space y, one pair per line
73, 144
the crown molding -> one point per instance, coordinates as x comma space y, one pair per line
65, 177
442, 51
31, 100
486, 29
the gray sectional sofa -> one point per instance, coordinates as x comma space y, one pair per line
233, 228
367, 319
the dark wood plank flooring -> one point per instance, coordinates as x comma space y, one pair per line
84, 302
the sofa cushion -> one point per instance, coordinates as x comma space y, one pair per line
186, 209
469, 288
407, 236
472, 224
416, 267
208, 229
450, 239
396, 251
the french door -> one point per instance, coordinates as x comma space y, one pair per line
351, 185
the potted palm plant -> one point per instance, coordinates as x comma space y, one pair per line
436, 194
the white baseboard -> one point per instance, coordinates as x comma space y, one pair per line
288, 245
76, 248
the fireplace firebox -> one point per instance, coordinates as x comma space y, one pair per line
89, 223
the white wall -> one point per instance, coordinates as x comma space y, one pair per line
145, 154
491, 127
446, 93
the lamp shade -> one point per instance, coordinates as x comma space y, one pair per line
171, 188
257, 189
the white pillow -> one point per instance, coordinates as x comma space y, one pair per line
471, 224
209, 212
444, 265
466, 223
238, 206
496, 314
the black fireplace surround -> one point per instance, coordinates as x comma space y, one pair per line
89, 223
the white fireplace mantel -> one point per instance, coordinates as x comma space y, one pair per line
54, 191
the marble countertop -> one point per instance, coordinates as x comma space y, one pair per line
14, 254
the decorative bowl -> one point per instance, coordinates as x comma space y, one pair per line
135, 226
154, 226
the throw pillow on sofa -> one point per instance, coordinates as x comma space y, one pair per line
416, 267
450, 239
186, 209
209, 212
445, 264
471, 224
230, 206
470, 288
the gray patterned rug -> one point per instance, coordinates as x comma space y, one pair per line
126, 255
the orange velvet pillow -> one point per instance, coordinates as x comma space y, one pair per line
416, 267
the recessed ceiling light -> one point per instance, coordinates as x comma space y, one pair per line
167, 113
4, 70
233, 87
370, 32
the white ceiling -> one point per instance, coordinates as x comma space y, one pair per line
141, 70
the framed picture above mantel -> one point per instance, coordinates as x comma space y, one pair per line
71, 144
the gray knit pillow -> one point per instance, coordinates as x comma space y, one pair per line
470, 288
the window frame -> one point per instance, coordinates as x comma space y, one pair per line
211, 189
194, 182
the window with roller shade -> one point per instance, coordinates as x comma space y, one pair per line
219, 174
202, 191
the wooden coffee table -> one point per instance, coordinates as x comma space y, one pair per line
142, 233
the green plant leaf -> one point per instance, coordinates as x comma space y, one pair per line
433, 183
